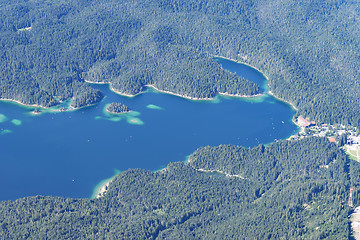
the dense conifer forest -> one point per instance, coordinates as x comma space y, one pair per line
117, 108
287, 190
309, 51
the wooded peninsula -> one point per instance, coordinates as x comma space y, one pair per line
309, 51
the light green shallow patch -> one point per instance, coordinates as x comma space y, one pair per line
133, 114
115, 119
3, 118
5, 131
258, 99
216, 99
135, 121
155, 107
16, 122
131, 117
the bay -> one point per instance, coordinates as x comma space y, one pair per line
67, 153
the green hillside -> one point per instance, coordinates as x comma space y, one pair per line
309, 50
281, 196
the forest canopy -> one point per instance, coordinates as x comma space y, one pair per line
308, 50
269, 192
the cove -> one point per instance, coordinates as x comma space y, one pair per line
68, 153
244, 71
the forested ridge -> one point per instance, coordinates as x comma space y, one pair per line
287, 193
308, 50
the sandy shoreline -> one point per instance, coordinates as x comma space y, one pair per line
101, 188
70, 108
175, 94
169, 92
204, 99
161, 91
23, 104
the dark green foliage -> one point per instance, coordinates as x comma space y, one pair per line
308, 50
117, 108
290, 190
85, 95
53, 46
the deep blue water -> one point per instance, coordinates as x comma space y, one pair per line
67, 154
244, 71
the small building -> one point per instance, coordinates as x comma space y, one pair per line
303, 122
332, 139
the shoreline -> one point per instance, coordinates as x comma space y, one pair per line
176, 94
68, 109
241, 96
101, 190
282, 100
247, 64
102, 186
114, 90
205, 99
23, 104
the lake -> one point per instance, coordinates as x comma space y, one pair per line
68, 153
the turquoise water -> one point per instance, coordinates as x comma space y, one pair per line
68, 153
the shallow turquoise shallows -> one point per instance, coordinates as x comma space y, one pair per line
68, 153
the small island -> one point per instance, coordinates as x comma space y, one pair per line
36, 111
116, 108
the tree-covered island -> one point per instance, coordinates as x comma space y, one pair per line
309, 51
116, 108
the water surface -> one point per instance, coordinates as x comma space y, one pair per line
68, 153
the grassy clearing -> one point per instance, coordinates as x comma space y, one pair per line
353, 152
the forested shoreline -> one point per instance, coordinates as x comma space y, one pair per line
308, 50
281, 195
49, 49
